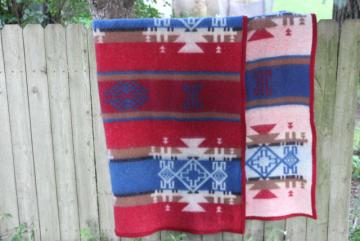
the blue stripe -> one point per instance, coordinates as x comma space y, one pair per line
119, 24
167, 72
142, 176
281, 81
278, 57
111, 120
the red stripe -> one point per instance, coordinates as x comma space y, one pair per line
312, 115
214, 96
142, 220
147, 56
151, 133
243, 113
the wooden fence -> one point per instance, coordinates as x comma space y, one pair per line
53, 165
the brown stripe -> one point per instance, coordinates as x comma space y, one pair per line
262, 184
168, 77
145, 199
129, 201
290, 100
275, 62
169, 114
132, 153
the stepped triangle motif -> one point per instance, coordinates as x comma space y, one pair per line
190, 39
265, 194
260, 34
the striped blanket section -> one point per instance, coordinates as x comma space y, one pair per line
280, 145
169, 92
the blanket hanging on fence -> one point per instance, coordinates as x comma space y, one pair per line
170, 92
281, 149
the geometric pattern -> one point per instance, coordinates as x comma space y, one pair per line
191, 33
264, 161
126, 95
188, 169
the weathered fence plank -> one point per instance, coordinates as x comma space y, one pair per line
41, 131
232, 237
7, 177
254, 230
343, 132
105, 197
213, 237
58, 82
325, 90
80, 99
13, 50
296, 229
274, 230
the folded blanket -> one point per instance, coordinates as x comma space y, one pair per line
169, 92
280, 153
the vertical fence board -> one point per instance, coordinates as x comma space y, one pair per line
213, 237
345, 105
57, 70
20, 126
296, 229
232, 237
254, 230
105, 197
274, 230
80, 99
325, 90
7, 177
193, 237
41, 131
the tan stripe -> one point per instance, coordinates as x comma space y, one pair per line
275, 62
253, 103
139, 152
145, 199
235, 78
170, 114
130, 37
139, 36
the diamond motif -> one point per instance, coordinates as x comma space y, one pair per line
126, 95
166, 174
193, 175
264, 161
219, 176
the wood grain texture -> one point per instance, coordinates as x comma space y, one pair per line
274, 230
343, 131
8, 205
61, 127
36, 74
104, 194
82, 124
13, 50
325, 90
254, 230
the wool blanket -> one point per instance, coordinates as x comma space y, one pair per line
170, 93
280, 128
